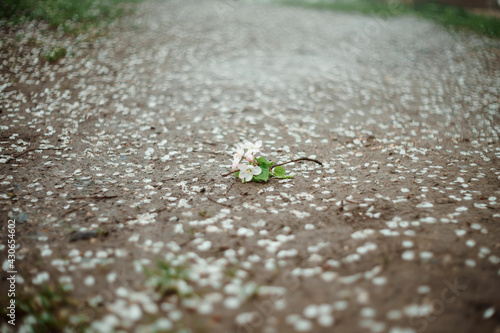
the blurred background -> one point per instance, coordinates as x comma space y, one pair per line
480, 16
88, 19
476, 16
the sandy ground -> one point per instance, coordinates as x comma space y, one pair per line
111, 164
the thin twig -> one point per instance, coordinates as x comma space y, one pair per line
182, 244
75, 209
209, 152
314, 191
163, 209
220, 203
97, 197
228, 189
300, 159
33, 149
24, 152
227, 174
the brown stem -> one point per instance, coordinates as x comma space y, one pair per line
274, 166
227, 174
219, 203
97, 197
33, 149
228, 189
75, 209
299, 159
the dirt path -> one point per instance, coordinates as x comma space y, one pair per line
112, 160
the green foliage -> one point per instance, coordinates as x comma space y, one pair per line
456, 17
55, 54
51, 310
356, 6
279, 171
204, 214
166, 278
72, 16
231, 272
264, 162
263, 176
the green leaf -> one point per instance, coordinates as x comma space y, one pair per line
263, 176
264, 162
279, 171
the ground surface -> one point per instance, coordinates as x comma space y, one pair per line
128, 137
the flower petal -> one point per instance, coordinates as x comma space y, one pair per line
242, 168
249, 177
257, 170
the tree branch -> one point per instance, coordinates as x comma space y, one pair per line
300, 159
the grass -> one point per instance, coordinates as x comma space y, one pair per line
166, 279
70, 15
449, 16
55, 54
353, 6
204, 214
456, 17
50, 310
87, 18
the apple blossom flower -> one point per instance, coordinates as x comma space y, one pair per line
253, 148
248, 171
238, 156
